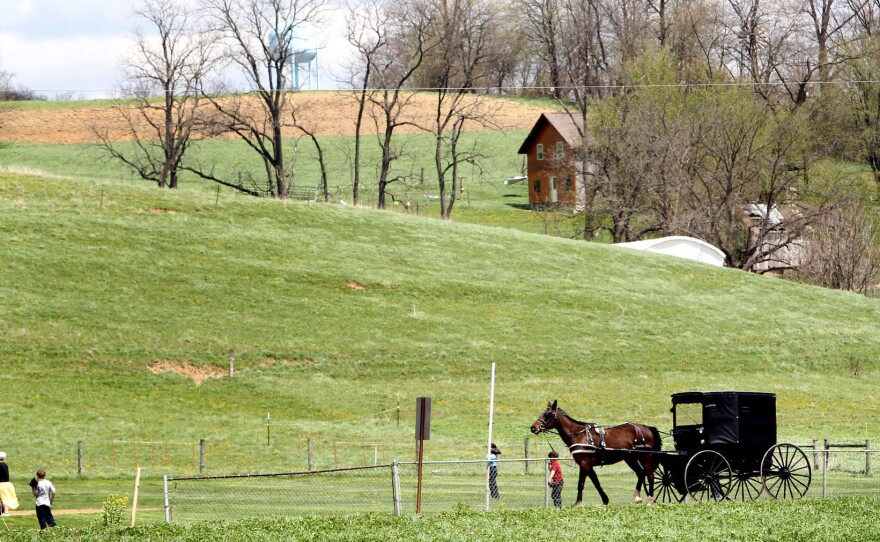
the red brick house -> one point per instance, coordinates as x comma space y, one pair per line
555, 175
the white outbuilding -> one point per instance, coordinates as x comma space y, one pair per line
681, 246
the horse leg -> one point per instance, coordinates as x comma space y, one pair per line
582, 476
595, 479
650, 467
640, 474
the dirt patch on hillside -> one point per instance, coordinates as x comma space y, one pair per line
327, 113
198, 373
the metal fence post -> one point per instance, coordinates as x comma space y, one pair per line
167, 505
815, 454
526, 448
201, 456
825, 471
310, 460
79, 458
395, 487
546, 484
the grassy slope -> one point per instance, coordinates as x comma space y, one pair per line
94, 294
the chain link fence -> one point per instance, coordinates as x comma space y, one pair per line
393, 488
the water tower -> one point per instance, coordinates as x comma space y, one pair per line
301, 46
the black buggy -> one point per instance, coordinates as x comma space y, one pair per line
725, 448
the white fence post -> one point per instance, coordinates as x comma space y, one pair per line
395, 487
167, 505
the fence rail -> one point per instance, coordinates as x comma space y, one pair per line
287, 453
392, 488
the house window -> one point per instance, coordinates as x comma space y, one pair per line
537, 185
568, 181
553, 182
559, 149
540, 151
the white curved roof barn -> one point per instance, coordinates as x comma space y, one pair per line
681, 246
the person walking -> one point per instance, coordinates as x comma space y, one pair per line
8, 500
555, 482
44, 491
494, 452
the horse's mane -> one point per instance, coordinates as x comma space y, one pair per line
575, 420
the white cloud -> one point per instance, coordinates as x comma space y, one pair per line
63, 46
84, 65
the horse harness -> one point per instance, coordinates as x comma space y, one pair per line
597, 445
591, 447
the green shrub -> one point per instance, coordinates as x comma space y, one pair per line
114, 510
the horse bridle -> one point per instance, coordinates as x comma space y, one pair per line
542, 428
546, 419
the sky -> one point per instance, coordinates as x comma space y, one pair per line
73, 47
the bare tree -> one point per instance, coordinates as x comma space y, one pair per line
461, 29
259, 35
162, 77
394, 65
740, 177
844, 249
311, 132
640, 148
366, 32
542, 26
861, 99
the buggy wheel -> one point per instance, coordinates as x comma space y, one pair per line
666, 490
746, 485
786, 472
707, 476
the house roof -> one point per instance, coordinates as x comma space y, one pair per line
569, 126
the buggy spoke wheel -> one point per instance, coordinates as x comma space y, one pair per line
786, 472
664, 484
746, 485
707, 476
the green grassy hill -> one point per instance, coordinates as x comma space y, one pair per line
335, 312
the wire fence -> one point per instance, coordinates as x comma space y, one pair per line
392, 488
284, 450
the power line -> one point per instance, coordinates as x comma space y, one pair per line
509, 88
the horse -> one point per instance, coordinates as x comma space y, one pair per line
591, 445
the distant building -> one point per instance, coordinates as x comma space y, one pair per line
682, 247
555, 171
771, 230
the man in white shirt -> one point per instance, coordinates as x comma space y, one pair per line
44, 491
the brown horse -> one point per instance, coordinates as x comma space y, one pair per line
591, 445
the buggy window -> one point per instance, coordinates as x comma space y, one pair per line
689, 414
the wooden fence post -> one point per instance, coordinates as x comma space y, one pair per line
526, 448
825, 471
79, 458
201, 456
867, 457
231, 358
309, 445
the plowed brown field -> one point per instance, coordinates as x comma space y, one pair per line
327, 113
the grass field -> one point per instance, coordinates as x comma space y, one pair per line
847, 519
334, 313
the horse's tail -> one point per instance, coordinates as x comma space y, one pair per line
658, 442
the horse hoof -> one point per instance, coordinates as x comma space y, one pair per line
637, 500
